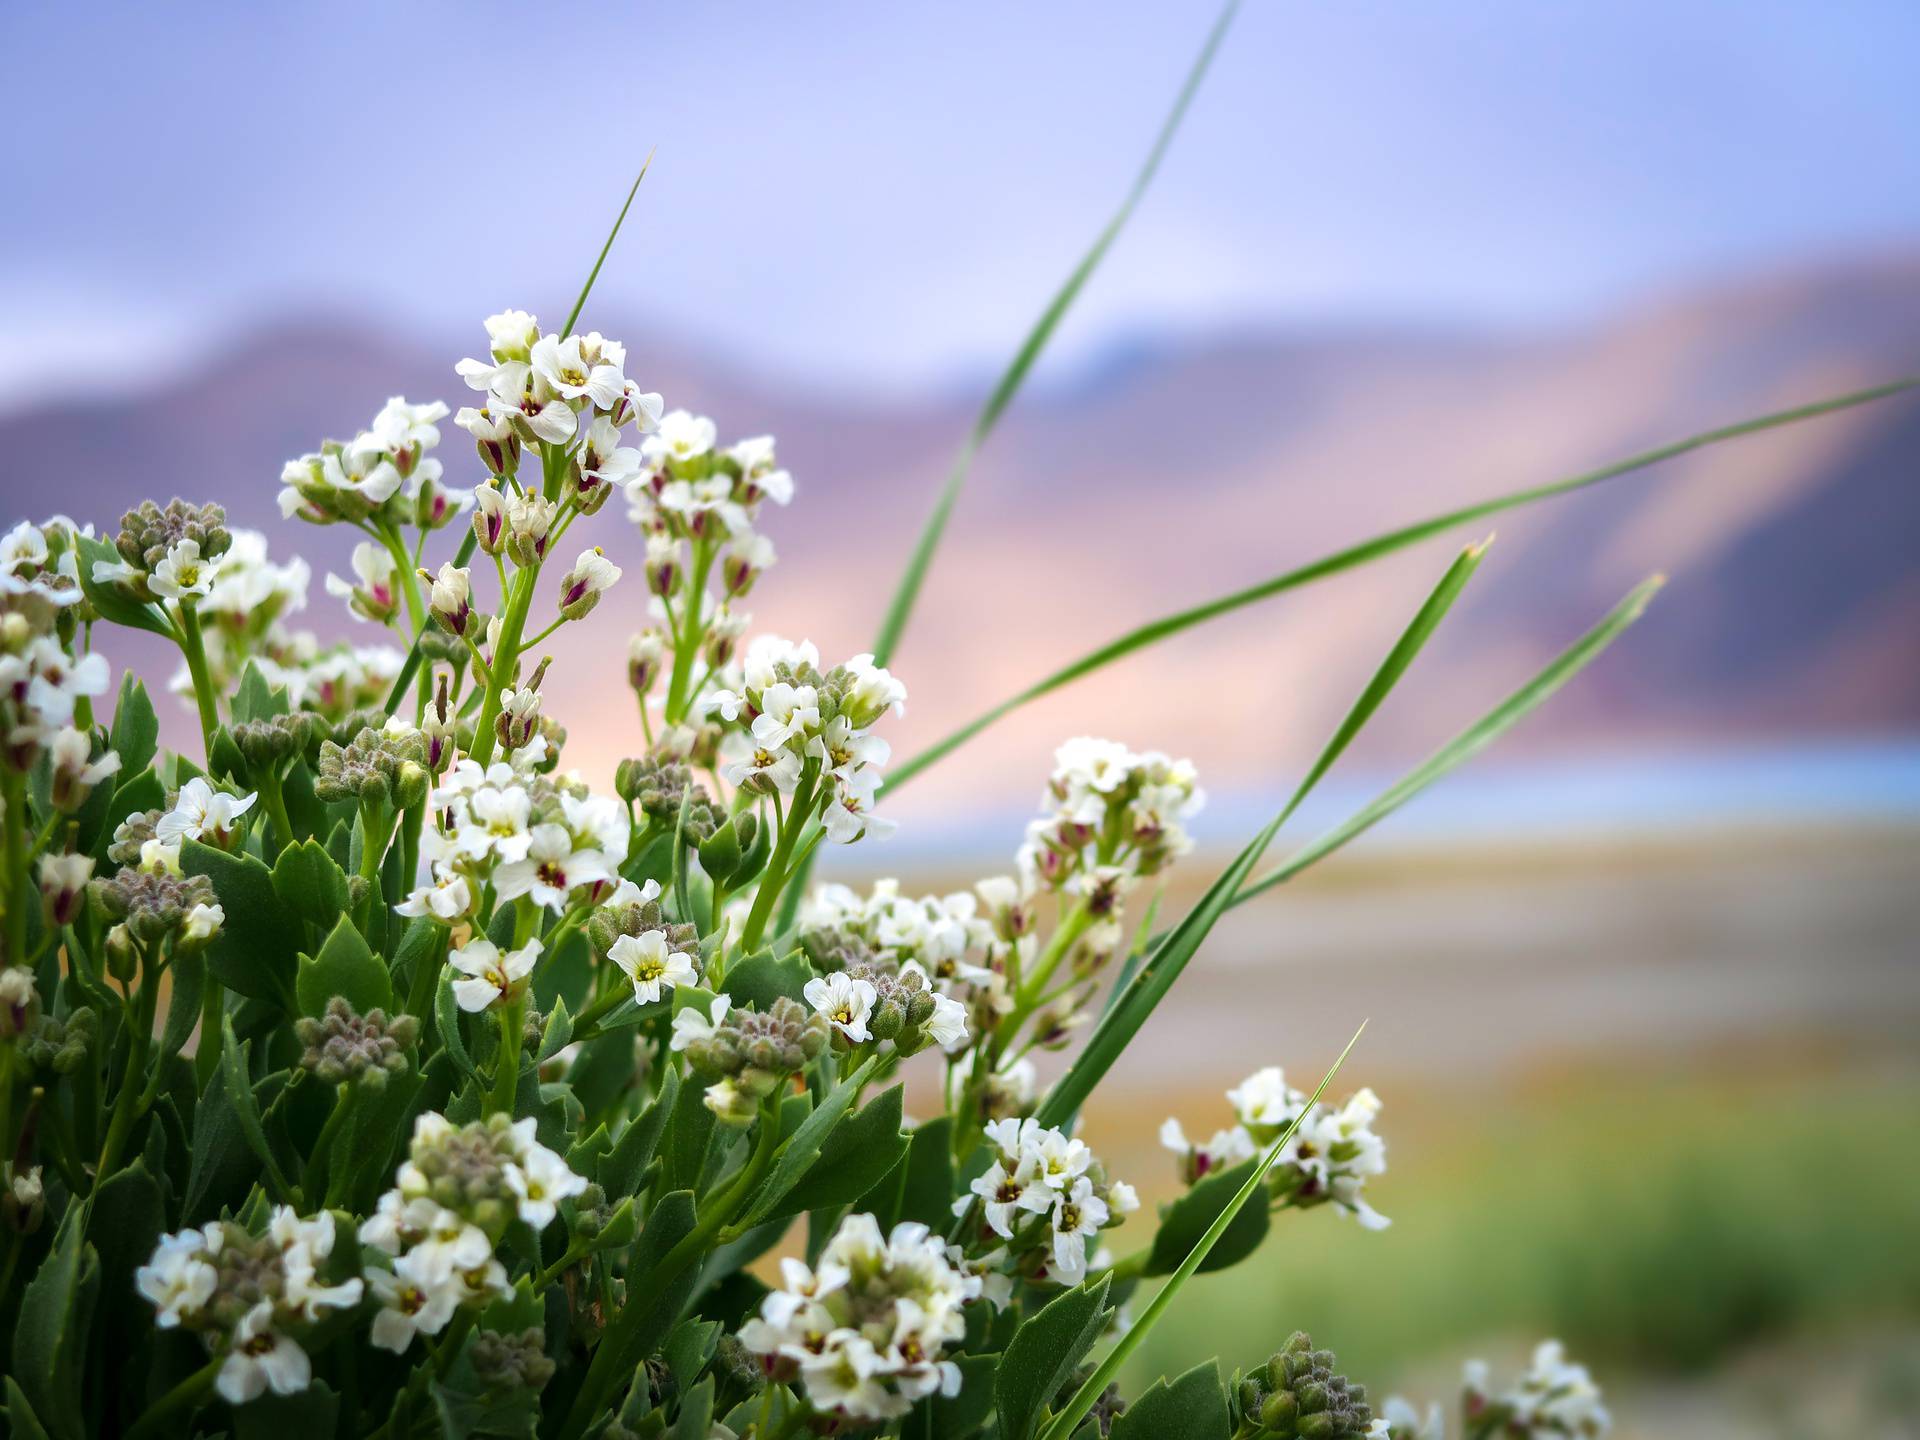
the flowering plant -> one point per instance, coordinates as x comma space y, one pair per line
364, 1071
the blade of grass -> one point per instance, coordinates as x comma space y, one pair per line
1062, 1424
1122, 1021
908, 590
411, 666
1470, 742
1360, 554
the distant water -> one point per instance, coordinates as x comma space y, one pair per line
1489, 800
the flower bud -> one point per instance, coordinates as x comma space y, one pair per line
742, 562
22, 1199
663, 564
63, 886
582, 586
451, 597
529, 518
646, 653
75, 771
519, 716
490, 517
123, 958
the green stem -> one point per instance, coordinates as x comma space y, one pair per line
193, 646
343, 1095
778, 867
410, 594
274, 797
505, 657
506, 1072
686, 644
18, 890
162, 1418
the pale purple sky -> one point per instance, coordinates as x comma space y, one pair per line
884, 195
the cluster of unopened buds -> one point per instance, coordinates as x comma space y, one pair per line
864, 1329
1327, 1160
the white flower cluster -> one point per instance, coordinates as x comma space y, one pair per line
452, 1198
363, 478
40, 684
1554, 1398
42, 562
797, 728
1328, 1159
865, 1330
1113, 816
557, 843
1045, 1196
248, 1297
958, 942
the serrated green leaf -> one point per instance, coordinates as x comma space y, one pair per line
960, 1416
857, 1155
246, 1110
1044, 1352
135, 736
797, 1156
311, 885
254, 951
621, 1167
760, 979
255, 699
50, 1332
1193, 1407
344, 967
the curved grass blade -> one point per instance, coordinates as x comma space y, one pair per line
1062, 1425
1368, 550
908, 590
1470, 742
1123, 1019
403, 682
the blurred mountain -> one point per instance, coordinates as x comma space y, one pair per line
1171, 471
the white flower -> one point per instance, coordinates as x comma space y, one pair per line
370, 595
568, 367
412, 1302
648, 961
496, 823
202, 813
681, 436
261, 1359
1007, 1194
203, 922
1265, 1099
181, 572
1078, 1214
446, 897
540, 1179
787, 712
847, 1002
546, 416
551, 869
849, 814
178, 1280
690, 1026
1226, 1149
948, 1023
775, 767
1399, 1418
491, 976
592, 574
403, 427
874, 691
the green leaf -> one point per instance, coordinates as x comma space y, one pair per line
908, 590
189, 972
344, 966
254, 951
1149, 986
856, 1156
1469, 742
797, 1156
1062, 1425
695, 1420
22, 1423
1194, 1407
759, 980
1365, 552
246, 1110
959, 1416
311, 885
1188, 1218
256, 699
110, 600
312, 1414
50, 1333
621, 1167
135, 736
688, 1136
446, 1020
1044, 1352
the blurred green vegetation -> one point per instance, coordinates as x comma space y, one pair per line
1658, 1226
